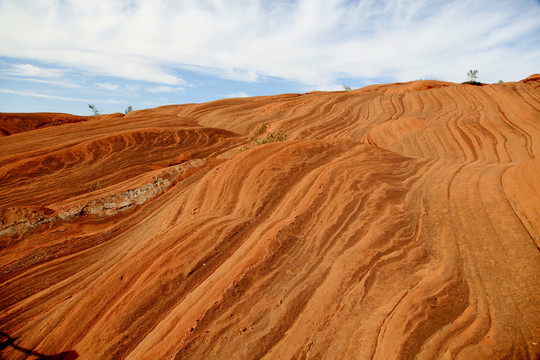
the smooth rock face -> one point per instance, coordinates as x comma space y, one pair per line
396, 221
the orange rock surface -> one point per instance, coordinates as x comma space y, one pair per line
17, 123
396, 221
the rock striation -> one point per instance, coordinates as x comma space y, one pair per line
396, 221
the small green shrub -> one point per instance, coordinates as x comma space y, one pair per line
275, 137
270, 137
472, 75
258, 132
472, 83
94, 109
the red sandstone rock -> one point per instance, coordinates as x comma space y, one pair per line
396, 221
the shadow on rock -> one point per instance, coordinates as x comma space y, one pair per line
10, 342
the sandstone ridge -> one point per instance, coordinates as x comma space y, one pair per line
396, 221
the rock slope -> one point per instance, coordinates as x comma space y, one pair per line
396, 221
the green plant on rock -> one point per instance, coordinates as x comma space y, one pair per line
258, 132
275, 137
94, 109
270, 137
472, 75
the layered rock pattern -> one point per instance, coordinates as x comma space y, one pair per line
396, 221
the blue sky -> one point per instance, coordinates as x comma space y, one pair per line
61, 55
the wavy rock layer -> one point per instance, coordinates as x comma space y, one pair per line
396, 221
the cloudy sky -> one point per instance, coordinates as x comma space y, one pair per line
61, 55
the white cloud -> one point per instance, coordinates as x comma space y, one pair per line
62, 83
29, 70
106, 86
163, 88
237, 95
32, 93
311, 42
134, 87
